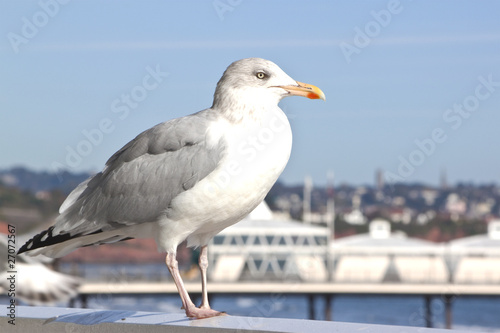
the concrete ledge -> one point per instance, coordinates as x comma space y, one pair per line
53, 320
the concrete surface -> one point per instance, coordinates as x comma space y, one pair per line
53, 320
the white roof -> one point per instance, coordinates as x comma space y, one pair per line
475, 241
395, 239
261, 221
381, 240
490, 240
248, 226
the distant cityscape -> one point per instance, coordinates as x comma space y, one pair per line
438, 213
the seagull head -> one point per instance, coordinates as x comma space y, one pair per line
258, 82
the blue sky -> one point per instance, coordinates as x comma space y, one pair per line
413, 87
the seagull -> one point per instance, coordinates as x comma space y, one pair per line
38, 284
188, 178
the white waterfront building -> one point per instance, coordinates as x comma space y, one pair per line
384, 256
476, 259
261, 247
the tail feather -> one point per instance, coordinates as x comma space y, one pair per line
61, 244
43, 239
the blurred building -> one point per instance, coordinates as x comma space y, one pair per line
383, 256
476, 259
264, 247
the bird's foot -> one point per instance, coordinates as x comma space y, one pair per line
199, 313
203, 306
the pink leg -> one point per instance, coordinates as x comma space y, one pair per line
191, 310
203, 263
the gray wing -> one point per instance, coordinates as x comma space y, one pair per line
141, 179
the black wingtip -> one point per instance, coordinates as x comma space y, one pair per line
45, 238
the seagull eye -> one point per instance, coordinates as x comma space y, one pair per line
261, 75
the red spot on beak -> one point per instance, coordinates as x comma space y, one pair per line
312, 96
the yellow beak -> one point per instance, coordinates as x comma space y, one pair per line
305, 90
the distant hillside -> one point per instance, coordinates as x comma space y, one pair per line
33, 181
